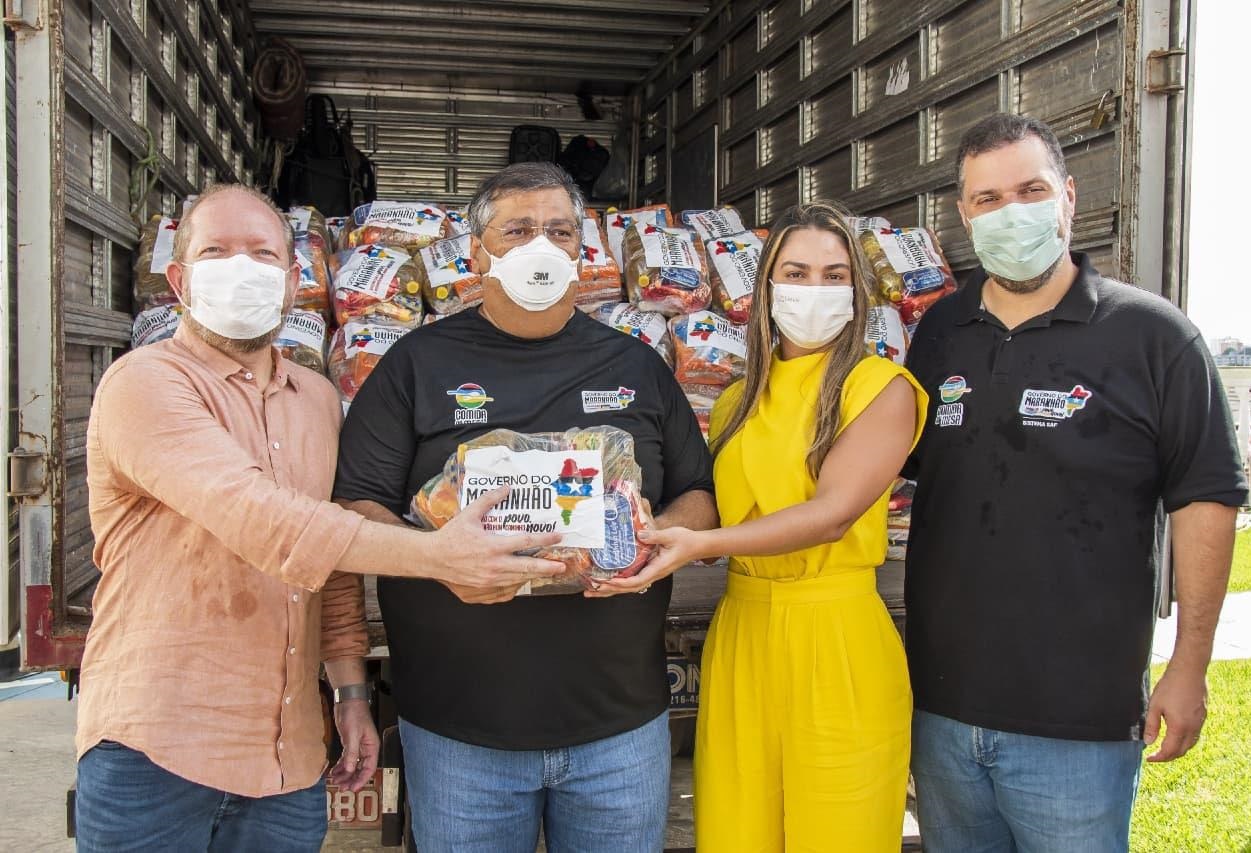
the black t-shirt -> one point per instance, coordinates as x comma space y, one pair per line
1049, 453
539, 672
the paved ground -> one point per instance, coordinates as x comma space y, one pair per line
37, 751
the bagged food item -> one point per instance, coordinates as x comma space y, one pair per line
449, 281
618, 222
913, 308
302, 339
313, 291
732, 265
665, 270
583, 483
155, 324
456, 224
710, 224
599, 277
708, 350
156, 250
338, 227
649, 327
306, 218
356, 349
906, 261
378, 281
884, 333
861, 224
411, 225
702, 399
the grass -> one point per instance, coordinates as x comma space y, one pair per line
1201, 802
1240, 575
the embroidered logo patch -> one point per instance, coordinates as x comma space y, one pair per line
607, 401
470, 402
953, 389
1054, 405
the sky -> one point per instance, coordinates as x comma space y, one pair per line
1219, 300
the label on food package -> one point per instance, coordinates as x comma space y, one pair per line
736, 259
706, 329
370, 269
648, 326
551, 491
163, 246
305, 329
593, 254
907, 249
620, 548
306, 268
710, 224
884, 333
360, 336
861, 224
155, 324
668, 248
415, 217
299, 218
447, 261
457, 223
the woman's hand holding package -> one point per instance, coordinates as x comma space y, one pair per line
673, 548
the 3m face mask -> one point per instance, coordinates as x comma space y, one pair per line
1019, 242
537, 275
236, 297
809, 315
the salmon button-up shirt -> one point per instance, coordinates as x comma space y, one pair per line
218, 596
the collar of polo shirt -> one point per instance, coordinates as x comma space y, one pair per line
1077, 306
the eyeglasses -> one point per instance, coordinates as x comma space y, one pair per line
563, 234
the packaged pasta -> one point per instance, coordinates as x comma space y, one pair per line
155, 324
357, 348
308, 219
708, 350
156, 251
710, 224
649, 327
583, 483
618, 222
378, 281
449, 281
906, 262
599, 278
313, 257
732, 265
411, 225
884, 333
302, 339
665, 270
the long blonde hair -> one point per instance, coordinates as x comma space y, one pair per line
847, 350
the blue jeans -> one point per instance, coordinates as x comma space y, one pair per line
127, 803
610, 795
981, 790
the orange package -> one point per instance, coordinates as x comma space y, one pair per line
599, 277
356, 350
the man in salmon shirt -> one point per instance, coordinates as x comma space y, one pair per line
227, 577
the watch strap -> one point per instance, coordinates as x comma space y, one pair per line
352, 691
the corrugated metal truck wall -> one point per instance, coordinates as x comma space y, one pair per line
123, 108
864, 101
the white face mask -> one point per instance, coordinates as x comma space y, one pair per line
236, 297
537, 275
812, 315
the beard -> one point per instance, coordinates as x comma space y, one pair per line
1031, 284
230, 345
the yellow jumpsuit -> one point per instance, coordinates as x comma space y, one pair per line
802, 742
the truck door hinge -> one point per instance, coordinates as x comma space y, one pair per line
1166, 71
23, 14
28, 473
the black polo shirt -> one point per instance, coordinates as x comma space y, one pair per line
538, 672
1048, 455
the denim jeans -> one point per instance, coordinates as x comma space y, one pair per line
610, 795
983, 791
127, 803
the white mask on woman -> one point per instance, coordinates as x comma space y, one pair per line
812, 315
237, 297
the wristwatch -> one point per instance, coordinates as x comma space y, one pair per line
352, 691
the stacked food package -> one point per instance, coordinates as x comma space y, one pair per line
448, 279
599, 280
302, 339
156, 251
357, 347
899, 518
648, 326
710, 354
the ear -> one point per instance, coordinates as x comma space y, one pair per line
175, 274
478, 252
293, 283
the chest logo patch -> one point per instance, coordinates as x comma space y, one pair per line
471, 400
951, 412
1054, 405
607, 401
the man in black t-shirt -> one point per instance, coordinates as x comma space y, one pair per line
538, 710
1069, 414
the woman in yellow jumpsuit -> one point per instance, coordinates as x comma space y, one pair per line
802, 742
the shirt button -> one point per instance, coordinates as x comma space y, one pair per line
280, 744
295, 597
287, 700
276, 445
1005, 340
291, 650
247, 376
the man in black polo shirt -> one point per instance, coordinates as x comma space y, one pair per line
1068, 414
547, 709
